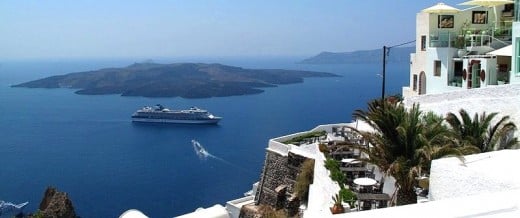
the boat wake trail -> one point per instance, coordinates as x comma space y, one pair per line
203, 154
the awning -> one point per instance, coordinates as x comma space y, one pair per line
440, 8
505, 51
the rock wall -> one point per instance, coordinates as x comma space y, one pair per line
56, 204
277, 181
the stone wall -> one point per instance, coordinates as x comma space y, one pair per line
277, 181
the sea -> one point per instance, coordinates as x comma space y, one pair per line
87, 146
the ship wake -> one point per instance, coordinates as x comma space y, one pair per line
203, 154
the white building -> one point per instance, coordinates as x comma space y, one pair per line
515, 65
464, 50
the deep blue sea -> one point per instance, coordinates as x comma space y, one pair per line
88, 147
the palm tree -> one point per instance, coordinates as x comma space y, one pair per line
480, 133
403, 144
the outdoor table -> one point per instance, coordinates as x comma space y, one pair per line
373, 197
365, 181
350, 161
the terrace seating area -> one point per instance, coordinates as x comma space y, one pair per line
338, 145
360, 177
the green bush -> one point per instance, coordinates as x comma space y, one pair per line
298, 139
335, 173
331, 164
267, 211
337, 176
304, 179
348, 196
323, 148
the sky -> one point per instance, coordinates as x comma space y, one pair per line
35, 29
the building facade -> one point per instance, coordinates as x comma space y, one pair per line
468, 49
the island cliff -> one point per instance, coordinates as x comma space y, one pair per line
398, 54
187, 80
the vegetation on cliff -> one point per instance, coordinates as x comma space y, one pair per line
304, 180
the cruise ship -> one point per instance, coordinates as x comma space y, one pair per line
160, 114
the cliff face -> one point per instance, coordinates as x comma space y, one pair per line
55, 204
276, 188
398, 54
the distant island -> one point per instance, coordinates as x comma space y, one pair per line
397, 54
186, 80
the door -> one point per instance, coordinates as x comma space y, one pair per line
422, 83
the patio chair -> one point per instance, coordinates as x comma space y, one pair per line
367, 205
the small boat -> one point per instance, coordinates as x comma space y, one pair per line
160, 114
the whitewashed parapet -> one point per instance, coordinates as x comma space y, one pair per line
278, 147
328, 127
233, 207
321, 190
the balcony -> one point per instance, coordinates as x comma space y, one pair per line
475, 41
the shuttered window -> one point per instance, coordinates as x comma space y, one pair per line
437, 68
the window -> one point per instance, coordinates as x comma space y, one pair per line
423, 43
458, 68
415, 82
437, 68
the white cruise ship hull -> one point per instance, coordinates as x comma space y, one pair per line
146, 120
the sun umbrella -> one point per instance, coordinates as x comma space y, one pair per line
489, 3
440, 8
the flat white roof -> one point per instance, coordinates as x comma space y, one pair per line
505, 51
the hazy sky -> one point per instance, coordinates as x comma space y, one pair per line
160, 28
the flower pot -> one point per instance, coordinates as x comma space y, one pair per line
337, 208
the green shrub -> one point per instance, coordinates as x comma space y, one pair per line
348, 196
337, 176
323, 148
267, 211
304, 179
298, 139
331, 163
335, 173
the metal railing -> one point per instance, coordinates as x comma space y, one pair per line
471, 38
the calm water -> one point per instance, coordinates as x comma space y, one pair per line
87, 146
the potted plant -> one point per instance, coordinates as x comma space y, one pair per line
460, 41
337, 207
348, 197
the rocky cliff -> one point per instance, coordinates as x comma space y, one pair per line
398, 54
276, 188
55, 204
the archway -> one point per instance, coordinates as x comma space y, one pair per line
422, 83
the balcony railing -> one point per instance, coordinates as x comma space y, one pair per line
471, 38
